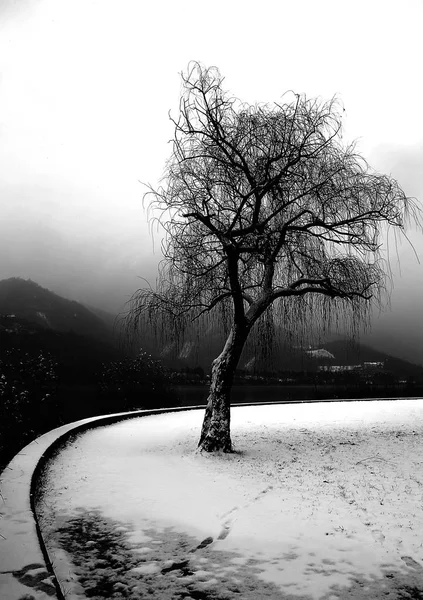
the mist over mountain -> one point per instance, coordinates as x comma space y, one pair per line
404, 340
102, 271
99, 269
45, 310
287, 357
27, 300
34, 319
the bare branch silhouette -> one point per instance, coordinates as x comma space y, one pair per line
268, 215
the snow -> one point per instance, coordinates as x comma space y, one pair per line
320, 500
43, 317
320, 353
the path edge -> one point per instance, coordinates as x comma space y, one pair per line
26, 569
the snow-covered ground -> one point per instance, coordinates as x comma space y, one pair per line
321, 500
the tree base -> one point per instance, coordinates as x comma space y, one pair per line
211, 444
215, 432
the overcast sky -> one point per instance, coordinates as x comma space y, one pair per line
85, 90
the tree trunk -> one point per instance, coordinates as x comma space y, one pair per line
215, 432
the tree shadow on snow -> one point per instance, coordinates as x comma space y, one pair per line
174, 566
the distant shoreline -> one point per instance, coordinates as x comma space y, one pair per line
192, 394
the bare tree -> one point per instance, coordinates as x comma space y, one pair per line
264, 207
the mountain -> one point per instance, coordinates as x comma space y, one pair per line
286, 357
353, 353
27, 300
31, 315
33, 318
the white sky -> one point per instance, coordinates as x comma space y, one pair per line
86, 85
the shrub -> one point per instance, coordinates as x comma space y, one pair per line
140, 382
28, 399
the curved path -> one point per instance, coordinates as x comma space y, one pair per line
25, 568
322, 501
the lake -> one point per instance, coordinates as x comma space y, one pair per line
190, 395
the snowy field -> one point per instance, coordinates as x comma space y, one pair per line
321, 500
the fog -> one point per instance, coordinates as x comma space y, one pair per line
85, 90
94, 258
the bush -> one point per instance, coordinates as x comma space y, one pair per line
34, 399
132, 383
28, 399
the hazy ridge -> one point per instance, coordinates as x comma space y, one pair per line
67, 328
